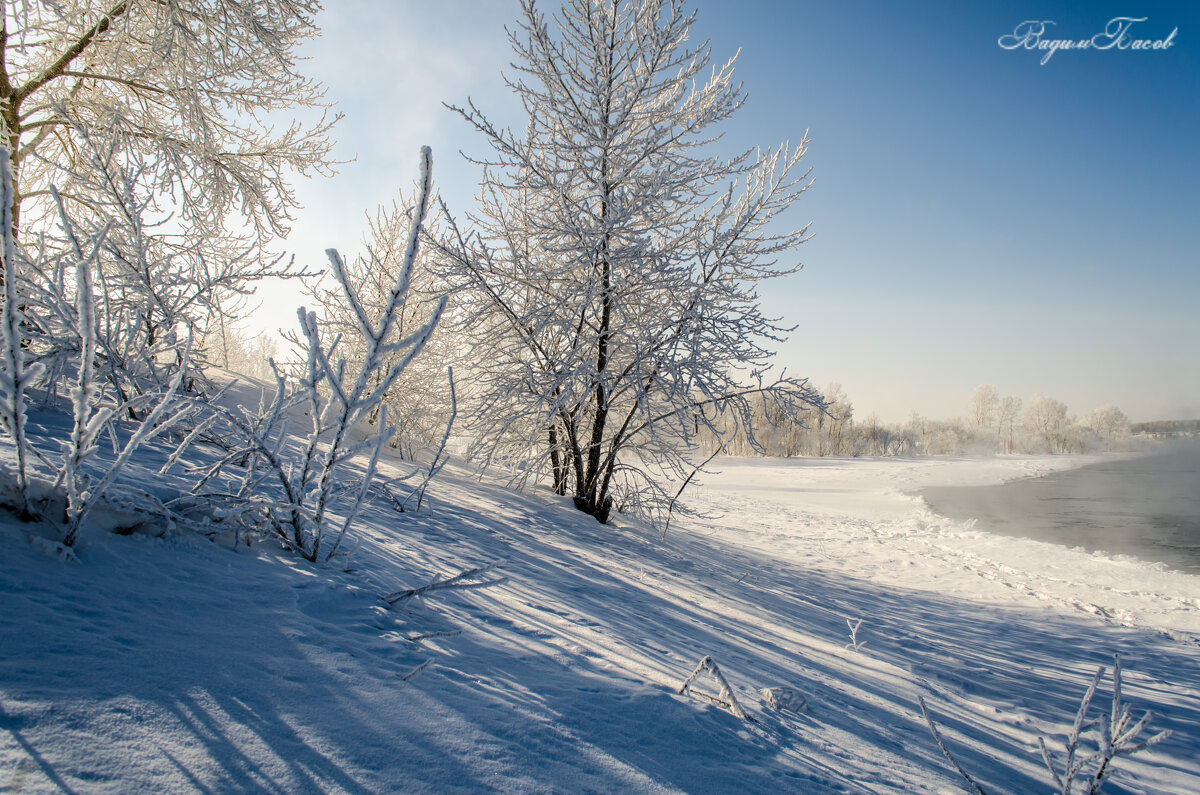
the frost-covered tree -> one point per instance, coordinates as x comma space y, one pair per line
983, 406
609, 287
1108, 421
1047, 423
15, 375
187, 87
153, 291
1007, 414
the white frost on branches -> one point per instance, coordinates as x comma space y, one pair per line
15, 375
1116, 736
187, 86
609, 283
308, 499
419, 402
337, 404
94, 410
92, 413
725, 697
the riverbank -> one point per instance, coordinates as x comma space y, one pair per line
1147, 507
863, 517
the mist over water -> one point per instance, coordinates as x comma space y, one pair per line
1148, 507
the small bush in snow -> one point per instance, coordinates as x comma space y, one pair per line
855, 644
784, 698
94, 410
309, 498
1116, 735
338, 403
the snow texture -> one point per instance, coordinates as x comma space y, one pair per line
175, 664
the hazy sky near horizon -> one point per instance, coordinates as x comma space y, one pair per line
978, 216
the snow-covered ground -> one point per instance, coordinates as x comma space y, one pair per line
861, 517
175, 664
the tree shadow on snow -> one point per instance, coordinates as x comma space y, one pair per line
226, 672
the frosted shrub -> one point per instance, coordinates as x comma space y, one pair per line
1114, 732
68, 328
1116, 735
307, 498
90, 416
337, 403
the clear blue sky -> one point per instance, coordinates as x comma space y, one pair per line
978, 217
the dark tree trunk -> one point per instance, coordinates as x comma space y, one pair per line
557, 466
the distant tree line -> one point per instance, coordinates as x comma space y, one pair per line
1166, 428
992, 424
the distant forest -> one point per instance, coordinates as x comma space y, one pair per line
1166, 427
992, 424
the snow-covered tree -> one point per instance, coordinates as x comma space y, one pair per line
186, 86
983, 405
1007, 413
609, 287
15, 375
1047, 423
1108, 421
153, 291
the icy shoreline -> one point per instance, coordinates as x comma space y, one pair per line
864, 518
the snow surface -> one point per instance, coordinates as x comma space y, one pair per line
175, 664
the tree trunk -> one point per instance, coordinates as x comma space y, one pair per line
10, 117
593, 492
557, 466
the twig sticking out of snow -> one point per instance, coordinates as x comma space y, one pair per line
945, 751
408, 676
724, 698
463, 581
854, 644
1117, 736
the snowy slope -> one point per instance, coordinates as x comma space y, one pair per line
174, 664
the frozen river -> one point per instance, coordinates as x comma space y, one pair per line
1147, 507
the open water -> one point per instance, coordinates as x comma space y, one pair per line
1147, 507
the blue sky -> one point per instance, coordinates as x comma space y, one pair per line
979, 217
